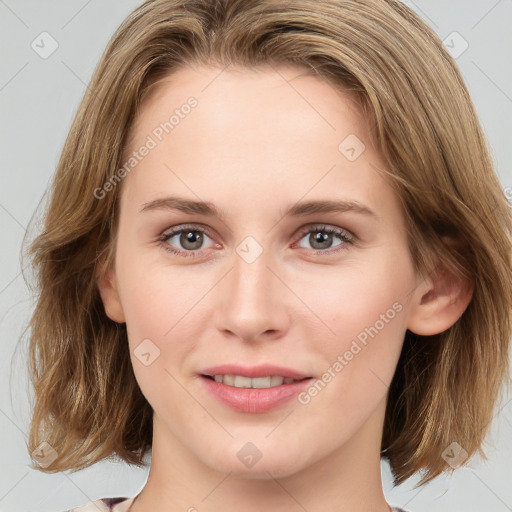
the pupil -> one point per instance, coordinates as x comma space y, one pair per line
324, 239
191, 240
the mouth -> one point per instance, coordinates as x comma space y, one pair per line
256, 389
240, 381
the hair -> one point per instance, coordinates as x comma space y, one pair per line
88, 405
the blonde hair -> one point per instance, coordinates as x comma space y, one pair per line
88, 404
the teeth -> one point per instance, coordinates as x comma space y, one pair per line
229, 380
276, 381
242, 382
238, 381
265, 382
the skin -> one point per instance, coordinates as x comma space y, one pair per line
258, 142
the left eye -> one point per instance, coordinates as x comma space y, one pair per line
321, 237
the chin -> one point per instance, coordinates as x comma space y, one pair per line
261, 471
260, 460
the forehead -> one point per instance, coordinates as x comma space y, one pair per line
231, 96
251, 130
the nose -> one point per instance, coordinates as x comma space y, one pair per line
253, 300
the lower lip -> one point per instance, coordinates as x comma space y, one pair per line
254, 400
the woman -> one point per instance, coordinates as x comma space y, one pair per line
275, 251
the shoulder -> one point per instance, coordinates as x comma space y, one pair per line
105, 505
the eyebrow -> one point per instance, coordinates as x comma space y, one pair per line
299, 209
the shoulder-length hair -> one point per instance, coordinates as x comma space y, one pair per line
88, 405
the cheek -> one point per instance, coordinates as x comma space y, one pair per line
359, 360
351, 299
164, 304
364, 318
158, 309
154, 296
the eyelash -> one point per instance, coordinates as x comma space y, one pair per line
344, 235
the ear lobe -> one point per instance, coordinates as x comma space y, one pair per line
439, 304
107, 287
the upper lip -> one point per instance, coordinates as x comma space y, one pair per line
263, 370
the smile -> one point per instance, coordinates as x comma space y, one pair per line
239, 381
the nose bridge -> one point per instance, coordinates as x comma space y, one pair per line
251, 277
253, 300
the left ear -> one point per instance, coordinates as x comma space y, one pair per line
439, 302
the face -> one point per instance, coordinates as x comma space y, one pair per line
257, 232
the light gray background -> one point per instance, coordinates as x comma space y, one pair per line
38, 99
